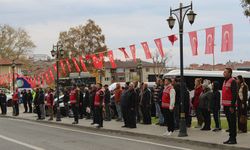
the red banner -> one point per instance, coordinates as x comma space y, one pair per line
111, 59
68, 64
158, 44
124, 52
76, 65
193, 42
51, 75
146, 50
132, 49
209, 40
97, 62
84, 68
62, 66
55, 68
227, 38
172, 38
47, 78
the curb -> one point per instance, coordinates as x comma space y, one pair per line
129, 133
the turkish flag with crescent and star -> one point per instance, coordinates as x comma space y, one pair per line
158, 44
193, 42
227, 38
111, 59
209, 40
124, 52
132, 48
146, 50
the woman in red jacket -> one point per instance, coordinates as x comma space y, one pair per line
195, 101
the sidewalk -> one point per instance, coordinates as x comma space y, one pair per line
209, 138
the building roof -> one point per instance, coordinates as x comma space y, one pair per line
8, 62
128, 64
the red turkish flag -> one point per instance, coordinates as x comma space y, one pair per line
43, 80
47, 78
193, 42
111, 59
68, 64
76, 65
97, 62
210, 40
124, 52
172, 38
132, 49
84, 68
51, 75
146, 50
62, 66
55, 68
159, 46
227, 38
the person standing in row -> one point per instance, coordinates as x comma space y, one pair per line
216, 105
242, 104
131, 106
50, 103
177, 108
41, 102
107, 103
25, 100
74, 102
229, 96
157, 94
117, 97
92, 93
36, 103
98, 104
195, 101
168, 102
145, 104
29, 100
205, 100
124, 105
3, 101
15, 105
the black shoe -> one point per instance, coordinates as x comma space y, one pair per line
124, 126
227, 130
25, 112
216, 129
92, 123
230, 142
74, 122
99, 126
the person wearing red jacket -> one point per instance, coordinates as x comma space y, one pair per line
50, 103
15, 101
99, 105
167, 104
229, 96
195, 101
74, 102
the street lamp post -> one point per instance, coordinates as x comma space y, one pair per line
139, 67
57, 52
13, 74
180, 14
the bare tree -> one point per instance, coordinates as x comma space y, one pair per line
160, 63
246, 6
14, 44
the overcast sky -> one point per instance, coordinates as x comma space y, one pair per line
126, 22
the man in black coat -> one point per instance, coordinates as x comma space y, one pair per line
25, 100
125, 105
107, 96
29, 100
131, 95
146, 104
3, 99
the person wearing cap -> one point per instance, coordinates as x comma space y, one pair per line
3, 99
168, 102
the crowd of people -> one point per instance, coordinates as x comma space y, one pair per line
132, 103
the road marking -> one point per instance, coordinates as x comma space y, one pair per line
105, 135
20, 143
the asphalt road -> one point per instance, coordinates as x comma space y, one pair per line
26, 135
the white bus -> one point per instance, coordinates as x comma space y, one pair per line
190, 75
